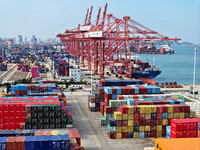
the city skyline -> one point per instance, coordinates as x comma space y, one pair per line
47, 18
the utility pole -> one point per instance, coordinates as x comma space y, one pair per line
91, 71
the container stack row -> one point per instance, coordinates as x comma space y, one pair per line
120, 82
67, 139
62, 67
3, 66
35, 72
25, 89
145, 120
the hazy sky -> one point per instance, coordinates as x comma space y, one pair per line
47, 18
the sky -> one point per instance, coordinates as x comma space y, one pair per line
47, 18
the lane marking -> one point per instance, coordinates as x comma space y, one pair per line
88, 126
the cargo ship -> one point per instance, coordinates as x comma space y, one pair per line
165, 49
141, 69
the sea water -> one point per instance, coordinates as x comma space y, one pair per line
177, 67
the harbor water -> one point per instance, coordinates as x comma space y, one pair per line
178, 67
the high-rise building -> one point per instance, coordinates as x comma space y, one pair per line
20, 40
34, 39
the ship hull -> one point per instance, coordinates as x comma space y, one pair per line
145, 74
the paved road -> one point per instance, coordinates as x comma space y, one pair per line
5, 79
95, 136
89, 138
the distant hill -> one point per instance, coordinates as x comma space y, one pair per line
176, 43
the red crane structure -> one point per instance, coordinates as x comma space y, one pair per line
100, 40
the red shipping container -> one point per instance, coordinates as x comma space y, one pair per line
20, 143
136, 110
147, 134
153, 128
124, 135
136, 117
142, 122
16, 92
124, 122
118, 123
159, 115
120, 97
158, 122
136, 122
114, 90
132, 90
123, 109
153, 134
28, 87
142, 116
147, 122
107, 109
112, 135
176, 108
102, 104
186, 134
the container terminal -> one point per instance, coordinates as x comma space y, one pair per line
90, 92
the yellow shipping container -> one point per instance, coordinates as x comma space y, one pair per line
130, 122
4, 94
130, 116
124, 116
147, 128
153, 109
147, 116
177, 144
170, 108
159, 128
124, 128
148, 109
117, 115
176, 115
182, 115
73, 140
136, 135
55, 132
118, 135
130, 128
130, 109
170, 115
141, 128
158, 134
118, 129
192, 114
165, 122
142, 109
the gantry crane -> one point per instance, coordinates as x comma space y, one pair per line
99, 41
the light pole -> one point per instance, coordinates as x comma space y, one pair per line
91, 72
195, 52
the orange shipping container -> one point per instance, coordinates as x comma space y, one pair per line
177, 144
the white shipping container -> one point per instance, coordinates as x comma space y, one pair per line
92, 104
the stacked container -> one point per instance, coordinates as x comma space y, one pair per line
35, 72
145, 120
62, 67
3, 66
184, 128
113, 91
26, 89
120, 82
